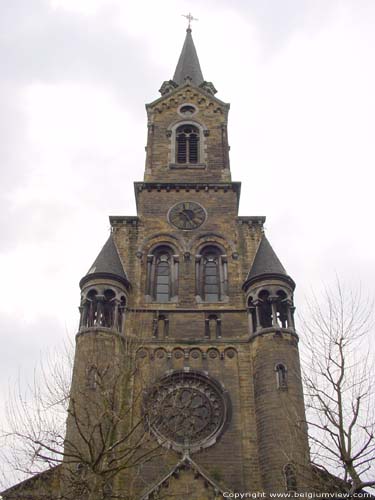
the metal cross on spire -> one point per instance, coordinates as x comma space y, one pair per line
190, 18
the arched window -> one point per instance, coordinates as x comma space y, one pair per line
121, 314
109, 308
102, 309
187, 144
265, 309
212, 326
269, 309
89, 309
163, 277
252, 315
282, 309
290, 478
162, 274
92, 377
161, 326
281, 376
211, 274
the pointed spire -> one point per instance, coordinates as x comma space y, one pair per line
188, 66
107, 264
266, 263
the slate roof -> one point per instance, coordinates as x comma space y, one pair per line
266, 262
188, 63
107, 264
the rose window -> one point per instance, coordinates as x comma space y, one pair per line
187, 410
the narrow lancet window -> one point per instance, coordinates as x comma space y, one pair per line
290, 478
162, 278
281, 376
212, 326
265, 310
282, 309
211, 274
162, 275
251, 308
92, 377
211, 280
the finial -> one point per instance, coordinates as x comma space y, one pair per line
190, 18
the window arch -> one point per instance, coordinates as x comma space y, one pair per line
187, 144
102, 308
109, 307
161, 326
163, 277
92, 377
212, 326
162, 273
290, 478
89, 312
211, 274
251, 308
282, 309
265, 309
281, 376
268, 308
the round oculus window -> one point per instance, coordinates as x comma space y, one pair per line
187, 410
187, 110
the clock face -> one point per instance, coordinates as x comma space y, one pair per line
187, 215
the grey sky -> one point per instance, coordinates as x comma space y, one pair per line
75, 75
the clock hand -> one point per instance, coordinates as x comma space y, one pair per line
188, 216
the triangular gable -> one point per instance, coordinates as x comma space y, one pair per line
185, 481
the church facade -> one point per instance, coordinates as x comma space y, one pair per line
186, 381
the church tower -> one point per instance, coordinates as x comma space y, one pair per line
187, 324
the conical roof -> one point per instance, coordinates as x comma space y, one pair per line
266, 263
107, 264
188, 64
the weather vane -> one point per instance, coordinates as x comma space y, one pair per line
190, 18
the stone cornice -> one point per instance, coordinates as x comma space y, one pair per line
162, 309
117, 220
187, 187
251, 219
104, 276
268, 276
183, 88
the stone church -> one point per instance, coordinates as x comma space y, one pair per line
186, 380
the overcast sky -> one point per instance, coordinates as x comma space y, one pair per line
75, 75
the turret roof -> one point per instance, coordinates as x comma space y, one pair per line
266, 261
107, 263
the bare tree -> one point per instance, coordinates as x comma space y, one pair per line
339, 381
107, 433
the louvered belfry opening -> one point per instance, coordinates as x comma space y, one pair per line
187, 138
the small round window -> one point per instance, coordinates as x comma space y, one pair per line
187, 110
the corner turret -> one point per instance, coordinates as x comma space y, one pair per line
269, 292
104, 291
